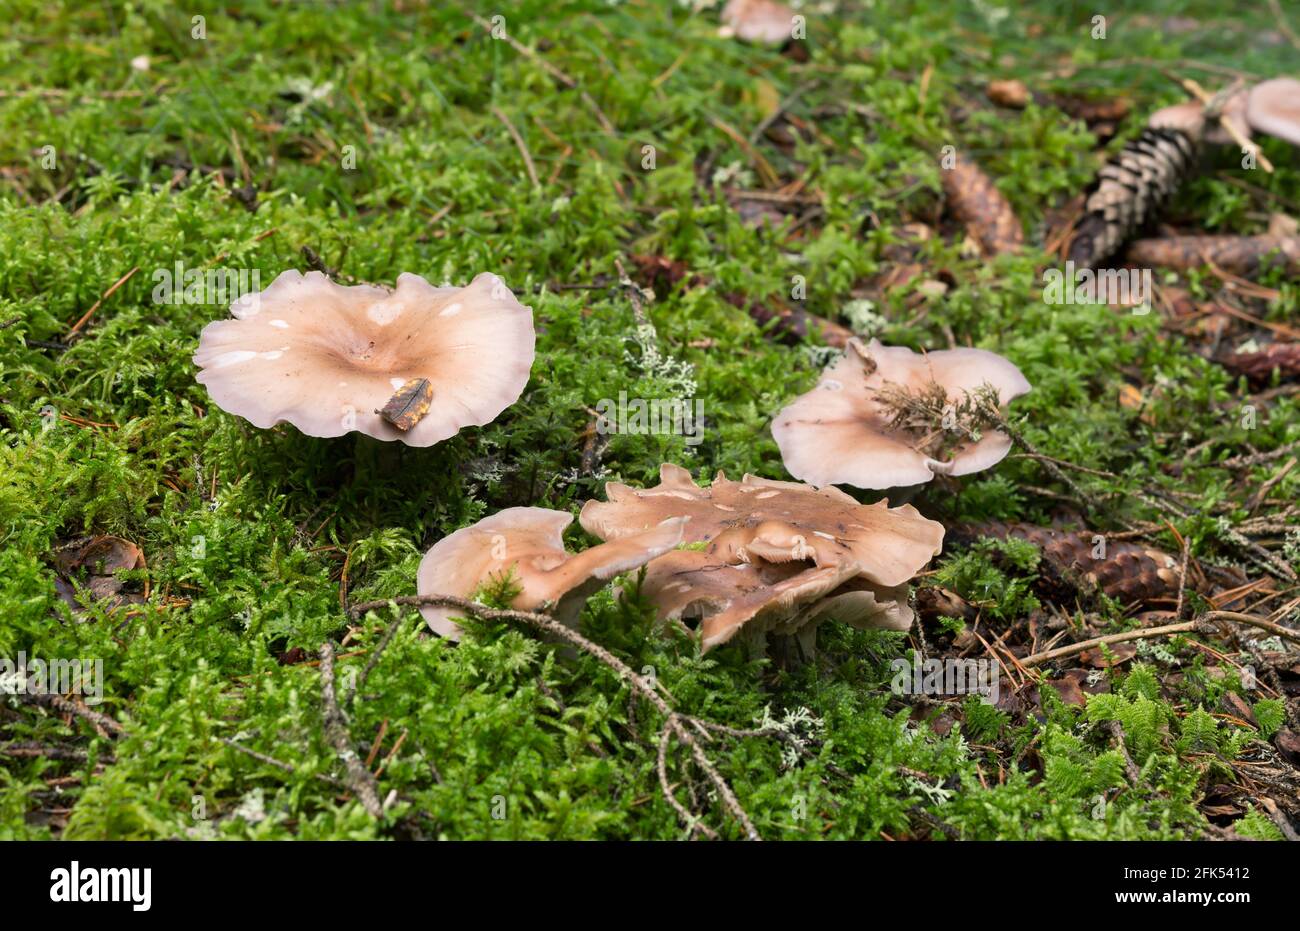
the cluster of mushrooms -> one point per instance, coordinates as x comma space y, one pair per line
418, 363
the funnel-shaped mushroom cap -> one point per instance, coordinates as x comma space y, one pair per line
762, 21
782, 557
1274, 108
841, 433
530, 542
1189, 117
1186, 117
773, 596
758, 518
327, 358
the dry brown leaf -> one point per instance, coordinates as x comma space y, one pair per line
793, 324
93, 564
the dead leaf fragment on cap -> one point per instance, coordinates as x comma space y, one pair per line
408, 404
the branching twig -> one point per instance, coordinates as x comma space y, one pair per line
59, 703
1130, 768
272, 761
1200, 625
634, 295
65, 754
693, 823
549, 625
359, 779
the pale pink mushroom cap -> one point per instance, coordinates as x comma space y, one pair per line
1274, 108
529, 542
840, 433
1189, 117
326, 358
727, 596
761, 21
783, 556
758, 518
860, 604
1186, 117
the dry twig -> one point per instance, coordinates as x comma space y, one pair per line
1202, 625
359, 779
549, 625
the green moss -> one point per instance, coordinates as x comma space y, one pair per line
248, 532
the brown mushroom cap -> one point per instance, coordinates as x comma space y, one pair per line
530, 542
762, 21
758, 518
783, 556
326, 358
1274, 108
761, 595
840, 432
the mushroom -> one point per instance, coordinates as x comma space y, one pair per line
1271, 107
848, 429
781, 555
762, 21
1274, 108
1189, 117
529, 543
331, 359
761, 596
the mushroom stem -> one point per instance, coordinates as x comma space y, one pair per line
372, 459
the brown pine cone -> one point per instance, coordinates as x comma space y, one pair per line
1129, 572
1130, 190
981, 208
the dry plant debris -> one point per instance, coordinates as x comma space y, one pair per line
1247, 256
885, 416
977, 203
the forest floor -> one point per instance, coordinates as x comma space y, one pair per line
204, 562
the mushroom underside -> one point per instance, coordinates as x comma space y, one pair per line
703, 592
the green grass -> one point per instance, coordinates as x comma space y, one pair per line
254, 538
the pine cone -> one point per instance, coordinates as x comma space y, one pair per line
977, 203
1130, 190
1129, 572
